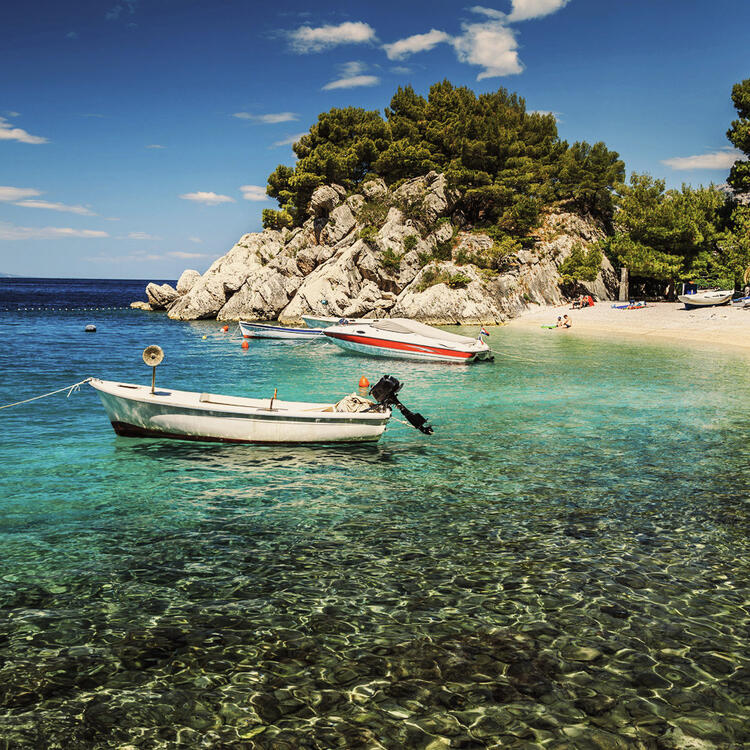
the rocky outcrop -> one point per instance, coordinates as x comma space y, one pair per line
187, 281
383, 253
160, 297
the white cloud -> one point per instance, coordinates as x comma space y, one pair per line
141, 236
197, 240
186, 256
351, 77
80, 210
489, 12
523, 10
12, 232
722, 159
16, 194
254, 193
400, 70
315, 39
271, 118
490, 45
210, 199
155, 145
416, 43
72, 35
289, 140
8, 133
352, 82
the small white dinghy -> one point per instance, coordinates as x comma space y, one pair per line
143, 411
706, 298
266, 331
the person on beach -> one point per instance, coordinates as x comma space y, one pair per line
559, 322
567, 322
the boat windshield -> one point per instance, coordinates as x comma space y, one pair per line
404, 325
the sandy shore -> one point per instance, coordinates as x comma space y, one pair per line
722, 326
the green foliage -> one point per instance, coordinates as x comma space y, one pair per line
507, 162
276, 219
581, 264
373, 212
424, 259
434, 276
390, 260
494, 258
443, 250
368, 233
410, 242
660, 234
739, 135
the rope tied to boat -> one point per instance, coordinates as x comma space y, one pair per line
69, 388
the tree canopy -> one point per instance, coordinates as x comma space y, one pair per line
508, 163
739, 135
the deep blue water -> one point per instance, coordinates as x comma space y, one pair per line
564, 561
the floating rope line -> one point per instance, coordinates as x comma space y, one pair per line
69, 388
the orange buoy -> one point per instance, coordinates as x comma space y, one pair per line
245, 344
225, 329
364, 382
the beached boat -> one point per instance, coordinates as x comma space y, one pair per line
706, 298
137, 411
265, 331
408, 339
326, 322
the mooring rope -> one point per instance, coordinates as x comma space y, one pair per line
69, 388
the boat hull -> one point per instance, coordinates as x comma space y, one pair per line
264, 331
378, 347
709, 299
137, 413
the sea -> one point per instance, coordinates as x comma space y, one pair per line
564, 563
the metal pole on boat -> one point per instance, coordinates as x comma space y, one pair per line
273, 398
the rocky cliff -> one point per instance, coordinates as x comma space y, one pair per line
384, 253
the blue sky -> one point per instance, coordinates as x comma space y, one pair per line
136, 135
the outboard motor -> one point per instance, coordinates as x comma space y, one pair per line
384, 392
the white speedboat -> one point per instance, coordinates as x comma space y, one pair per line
265, 331
326, 322
408, 339
143, 411
706, 298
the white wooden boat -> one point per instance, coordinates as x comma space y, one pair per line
408, 339
144, 411
326, 322
706, 298
266, 331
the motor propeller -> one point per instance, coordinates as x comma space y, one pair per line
384, 392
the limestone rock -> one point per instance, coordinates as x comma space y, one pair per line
325, 268
341, 221
161, 297
324, 199
187, 281
440, 303
139, 305
226, 275
374, 188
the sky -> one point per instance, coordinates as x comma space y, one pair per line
136, 136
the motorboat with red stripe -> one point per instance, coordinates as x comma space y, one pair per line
408, 339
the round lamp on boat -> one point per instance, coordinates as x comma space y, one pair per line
153, 355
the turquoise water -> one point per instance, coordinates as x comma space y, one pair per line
563, 564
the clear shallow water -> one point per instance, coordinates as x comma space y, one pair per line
564, 563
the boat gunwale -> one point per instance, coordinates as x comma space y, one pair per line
312, 416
